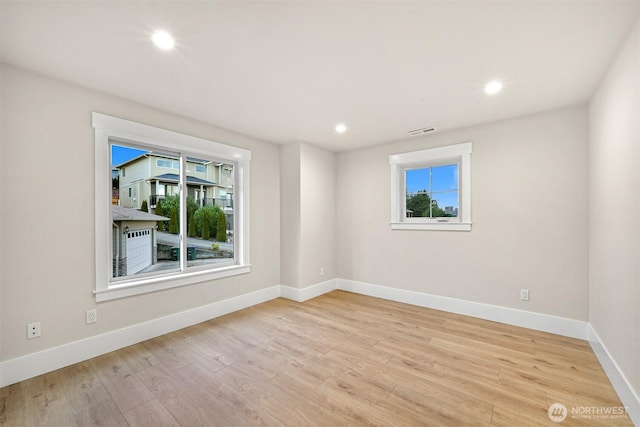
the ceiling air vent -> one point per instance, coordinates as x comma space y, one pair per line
422, 131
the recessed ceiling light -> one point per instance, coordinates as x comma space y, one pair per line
163, 40
493, 87
341, 128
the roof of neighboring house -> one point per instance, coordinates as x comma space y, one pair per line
175, 178
159, 154
131, 160
128, 214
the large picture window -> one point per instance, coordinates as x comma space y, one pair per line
179, 215
430, 189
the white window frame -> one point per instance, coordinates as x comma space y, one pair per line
108, 129
450, 154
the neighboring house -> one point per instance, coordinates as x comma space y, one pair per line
153, 176
134, 240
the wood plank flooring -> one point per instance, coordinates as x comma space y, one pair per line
339, 359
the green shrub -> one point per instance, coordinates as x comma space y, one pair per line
169, 203
192, 206
174, 220
191, 225
161, 213
221, 234
171, 208
144, 207
205, 219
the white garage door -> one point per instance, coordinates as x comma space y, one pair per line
138, 250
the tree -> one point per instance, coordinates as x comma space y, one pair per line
144, 207
161, 213
221, 234
169, 203
437, 211
173, 220
191, 225
205, 219
171, 209
422, 206
419, 203
192, 206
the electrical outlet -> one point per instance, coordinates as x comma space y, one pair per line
33, 330
322, 271
92, 316
524, 294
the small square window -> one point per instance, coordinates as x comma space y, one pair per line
430, 189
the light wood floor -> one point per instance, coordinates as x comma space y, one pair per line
339, 359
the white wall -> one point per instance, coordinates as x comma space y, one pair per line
290, 269
308, 220
2, 226
47, 228
529, 213
614, 208
317, 214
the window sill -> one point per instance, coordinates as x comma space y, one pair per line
158, 283
439, 226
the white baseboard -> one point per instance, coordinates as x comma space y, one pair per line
621, 384
304, 294
31, 365
526, 319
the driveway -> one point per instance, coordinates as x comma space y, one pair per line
172, 240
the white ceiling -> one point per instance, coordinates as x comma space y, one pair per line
289, 71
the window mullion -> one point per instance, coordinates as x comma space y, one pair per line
182, 191
430, 193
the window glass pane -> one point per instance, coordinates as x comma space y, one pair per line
418, 204
210, 215
145, 222
444, 204
417, 180
444, 178
444, 191
418, 187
